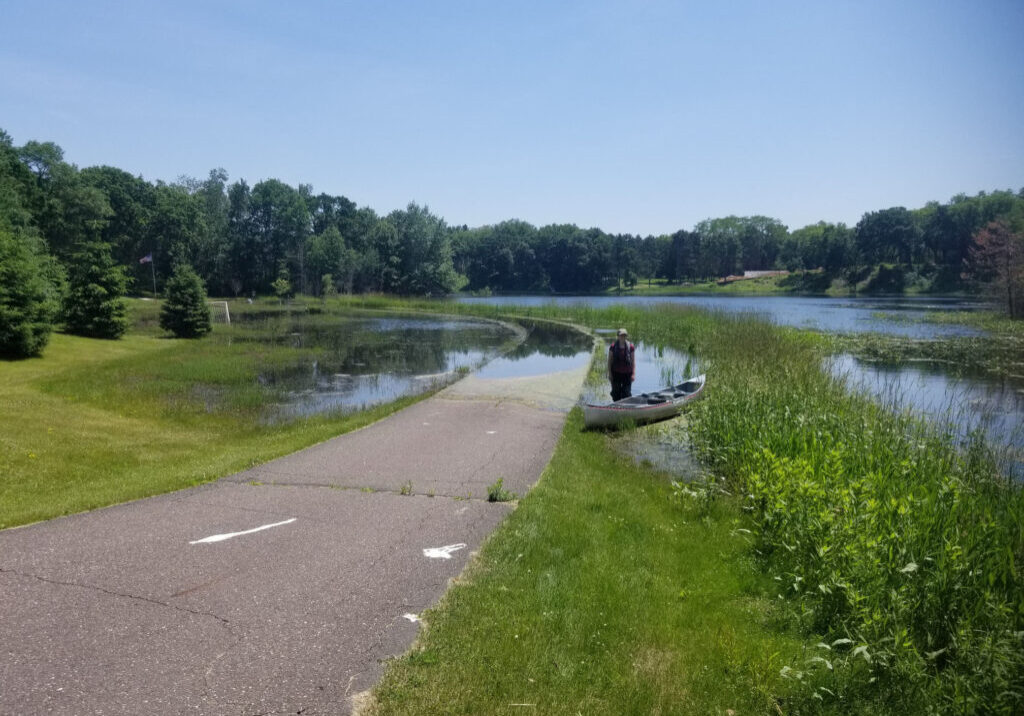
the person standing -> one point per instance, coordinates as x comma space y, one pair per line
622, 366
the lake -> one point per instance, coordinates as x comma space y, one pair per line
897, 316
352, 362
965, 403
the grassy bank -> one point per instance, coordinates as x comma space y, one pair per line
882, 537
797, 283
765, 286
96, 422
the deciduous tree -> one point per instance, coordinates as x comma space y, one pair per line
997, 259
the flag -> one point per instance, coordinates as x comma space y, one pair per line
147, 259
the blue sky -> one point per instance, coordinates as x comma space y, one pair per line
640, 117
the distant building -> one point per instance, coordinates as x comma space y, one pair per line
762, 274
749, 275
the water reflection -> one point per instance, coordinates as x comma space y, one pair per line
351, 363
964, 403
548, 348
663, 446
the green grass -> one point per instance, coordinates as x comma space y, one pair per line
603, 593
998, 324
903, 552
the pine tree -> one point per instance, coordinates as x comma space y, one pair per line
27, 299
185, 312
94, 306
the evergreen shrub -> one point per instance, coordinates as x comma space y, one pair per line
94, 306
27, 304
185, 312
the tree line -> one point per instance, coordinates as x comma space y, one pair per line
76, 226
936, 243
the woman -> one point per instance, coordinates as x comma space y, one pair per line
622, 366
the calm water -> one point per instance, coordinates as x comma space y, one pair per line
661, 444
935, 391
347, 363
844, 315
965, 403
548, 348
352, 363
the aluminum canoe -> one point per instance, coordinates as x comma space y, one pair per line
644, 408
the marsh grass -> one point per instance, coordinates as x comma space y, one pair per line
996, 356
998, 352
898, 548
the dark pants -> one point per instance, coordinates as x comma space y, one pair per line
622, 386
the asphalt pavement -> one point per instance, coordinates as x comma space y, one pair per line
281, 590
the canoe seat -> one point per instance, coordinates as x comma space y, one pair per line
678, 394
655, 401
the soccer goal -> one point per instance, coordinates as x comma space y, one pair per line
219, 312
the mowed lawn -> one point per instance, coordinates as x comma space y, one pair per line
94, 422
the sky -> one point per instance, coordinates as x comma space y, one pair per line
635, 117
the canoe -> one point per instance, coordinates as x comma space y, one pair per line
645, 407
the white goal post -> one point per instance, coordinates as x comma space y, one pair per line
219, 312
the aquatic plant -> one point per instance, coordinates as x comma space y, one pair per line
902, 551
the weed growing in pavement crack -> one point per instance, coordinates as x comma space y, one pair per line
497, 493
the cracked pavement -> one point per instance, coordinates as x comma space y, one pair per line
122, 611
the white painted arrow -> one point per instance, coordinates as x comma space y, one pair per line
443, 552
229, 535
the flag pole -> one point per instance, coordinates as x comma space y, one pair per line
152, 270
